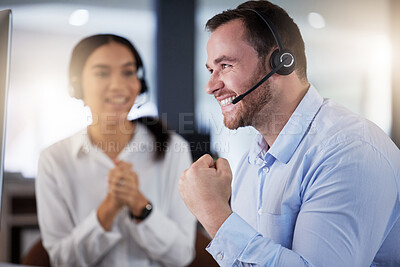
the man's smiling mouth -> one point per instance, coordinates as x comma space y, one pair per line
227, 101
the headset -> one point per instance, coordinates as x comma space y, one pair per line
77, 92
141, 76
282, 61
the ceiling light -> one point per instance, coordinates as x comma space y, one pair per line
79, 17
316, 20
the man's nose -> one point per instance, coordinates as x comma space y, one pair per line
214, 84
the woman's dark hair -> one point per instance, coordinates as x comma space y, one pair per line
258, 34
79, 56
160, 133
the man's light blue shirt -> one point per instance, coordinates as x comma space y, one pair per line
326, 193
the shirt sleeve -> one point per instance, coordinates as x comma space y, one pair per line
169, 237
67, 244
348, 200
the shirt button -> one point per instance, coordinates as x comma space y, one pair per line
259, 211
220, 256
266, 169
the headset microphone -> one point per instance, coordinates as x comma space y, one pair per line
237, 99
282, 61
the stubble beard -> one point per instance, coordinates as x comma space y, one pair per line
250, 108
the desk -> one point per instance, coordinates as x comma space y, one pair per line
18, 215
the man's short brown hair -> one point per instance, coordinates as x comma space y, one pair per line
259, 35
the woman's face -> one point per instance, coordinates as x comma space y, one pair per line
109, 80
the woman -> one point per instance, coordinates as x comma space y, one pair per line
108, 195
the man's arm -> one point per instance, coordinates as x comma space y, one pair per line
346, 212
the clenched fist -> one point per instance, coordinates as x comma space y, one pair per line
206, 188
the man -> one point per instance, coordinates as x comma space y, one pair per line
318, 187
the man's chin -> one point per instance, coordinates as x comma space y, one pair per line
232, 124
234, 120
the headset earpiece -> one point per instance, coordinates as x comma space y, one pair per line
141, 74
279, 56
143, 88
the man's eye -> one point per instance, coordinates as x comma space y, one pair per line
210, 71
224, 66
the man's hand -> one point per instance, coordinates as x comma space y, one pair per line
206, 188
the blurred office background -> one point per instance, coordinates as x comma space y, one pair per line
351, 49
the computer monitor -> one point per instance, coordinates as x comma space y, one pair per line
5, 46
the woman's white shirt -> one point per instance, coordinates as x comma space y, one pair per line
72, 182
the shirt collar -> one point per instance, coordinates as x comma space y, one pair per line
257, 150
292, 133
81, 143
